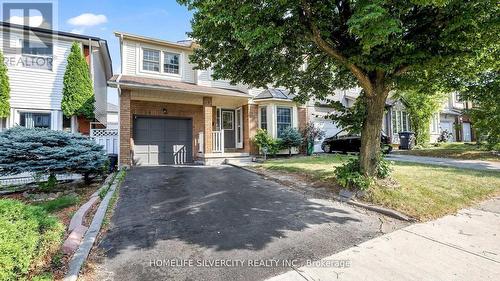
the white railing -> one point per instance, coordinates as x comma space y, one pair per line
107, 138
218, 141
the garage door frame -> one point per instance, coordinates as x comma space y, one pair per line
190, 119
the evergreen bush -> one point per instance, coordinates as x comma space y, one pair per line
49, 152
290, 138
78, 93
4, 89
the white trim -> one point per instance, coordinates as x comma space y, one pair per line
161, 62
239, 131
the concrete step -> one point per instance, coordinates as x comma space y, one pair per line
239, 160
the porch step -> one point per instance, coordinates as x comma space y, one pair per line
239, 160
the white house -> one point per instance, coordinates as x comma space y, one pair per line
36, 76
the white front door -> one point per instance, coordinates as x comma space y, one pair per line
466, 132
239, 128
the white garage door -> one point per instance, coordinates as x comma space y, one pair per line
328, 127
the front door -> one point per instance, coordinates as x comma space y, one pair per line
228, 125
466, 132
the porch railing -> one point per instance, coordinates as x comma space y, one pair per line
218, 141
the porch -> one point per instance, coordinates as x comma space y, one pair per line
159, 127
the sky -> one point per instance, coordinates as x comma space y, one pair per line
164, 19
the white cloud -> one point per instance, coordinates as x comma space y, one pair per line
88, 19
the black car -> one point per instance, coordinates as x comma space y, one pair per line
344, 142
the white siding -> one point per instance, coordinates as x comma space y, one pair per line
130, 51
37, 88
100, 86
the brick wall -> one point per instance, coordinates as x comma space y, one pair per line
158, 109
250, 126
302, 122
125, 129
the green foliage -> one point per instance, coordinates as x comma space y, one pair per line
59, 203
421, 106
4, 89
349, 118
78, 94
27, 236
484, 93
48, 185
290, 137
265, 142
44, 151
315, 47
349, 176
310, 133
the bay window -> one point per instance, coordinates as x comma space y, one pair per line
283, 119
35, 120
263, 118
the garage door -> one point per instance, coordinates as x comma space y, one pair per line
159, 141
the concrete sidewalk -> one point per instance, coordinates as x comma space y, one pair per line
449, 162
465, 246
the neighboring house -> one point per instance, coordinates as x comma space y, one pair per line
112, 119
171, 113
36, 88
396, 118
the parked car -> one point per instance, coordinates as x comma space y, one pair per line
344, 142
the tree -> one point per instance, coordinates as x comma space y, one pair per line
290, 137
484, 93
4, 89
49, 152
78, 94
421, 106
314, 47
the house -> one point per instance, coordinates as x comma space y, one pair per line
450, 118
36, 76
112, 116
170, 113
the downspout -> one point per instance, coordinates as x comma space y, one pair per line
119, 98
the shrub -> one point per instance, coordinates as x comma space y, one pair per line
310, 133
43, 151
28, 235
78, 94
265, 142
349, 176
50, 184
4, 89
290, 138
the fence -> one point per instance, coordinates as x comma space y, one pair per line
107, 138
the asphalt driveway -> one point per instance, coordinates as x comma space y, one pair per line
223, 223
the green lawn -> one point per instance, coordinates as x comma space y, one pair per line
457, 150
424, 192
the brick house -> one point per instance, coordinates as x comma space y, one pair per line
170, 113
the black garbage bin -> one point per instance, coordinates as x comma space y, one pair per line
113, 162
406, 140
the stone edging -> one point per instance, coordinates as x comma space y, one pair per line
384, 211
76, 262
76, 228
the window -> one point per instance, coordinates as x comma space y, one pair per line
435, 123
458, 97
151, 60
36, 54
35, 120
66, 124
400, 121
263, 118
170, 63
227, 120
283, 119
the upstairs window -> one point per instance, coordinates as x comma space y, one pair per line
283, 120
36, 55
170, 63
151, 60
263, 118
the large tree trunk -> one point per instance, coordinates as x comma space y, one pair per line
372, 126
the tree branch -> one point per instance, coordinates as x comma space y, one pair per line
315, 35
